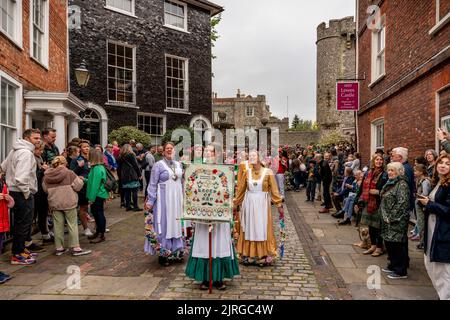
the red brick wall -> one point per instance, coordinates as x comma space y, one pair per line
408, 43
410, 113
18, 64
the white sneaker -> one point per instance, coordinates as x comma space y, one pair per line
106, 230
88, 232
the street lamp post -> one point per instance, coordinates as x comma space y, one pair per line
82, 74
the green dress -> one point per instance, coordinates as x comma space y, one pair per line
222, 268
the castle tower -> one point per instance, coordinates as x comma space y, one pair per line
336, 59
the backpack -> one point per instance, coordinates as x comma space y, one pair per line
111, 184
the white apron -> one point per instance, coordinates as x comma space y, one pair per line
254, 209
173, 201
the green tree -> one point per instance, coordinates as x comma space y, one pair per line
295, 122
214, 33
125, 134
303, 125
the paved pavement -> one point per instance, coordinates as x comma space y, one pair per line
320, 263
333, 243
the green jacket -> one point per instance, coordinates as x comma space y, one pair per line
394, 210
96, 183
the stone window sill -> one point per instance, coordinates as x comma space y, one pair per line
13, 41
40, 63
126, 13
440, 25
176, 29
122, 104
377, 80
177, 111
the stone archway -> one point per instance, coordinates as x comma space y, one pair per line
94, 126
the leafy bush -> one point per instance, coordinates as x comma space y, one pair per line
332, 138
125, 134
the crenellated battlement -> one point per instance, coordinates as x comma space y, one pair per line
336, 27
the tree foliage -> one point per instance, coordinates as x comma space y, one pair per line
333, 138
295, 122
214, 33
125, 134
303, 125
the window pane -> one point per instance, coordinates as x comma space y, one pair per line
120, 51
3, 104
4, 20
11, 106
112, 95
129, 63
129, 52
111, 60
111, 48
120, 61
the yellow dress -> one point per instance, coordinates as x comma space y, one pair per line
258, 249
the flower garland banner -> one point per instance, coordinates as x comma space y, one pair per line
209, 191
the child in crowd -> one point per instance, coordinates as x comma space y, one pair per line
313, 174
6, 202
62, 186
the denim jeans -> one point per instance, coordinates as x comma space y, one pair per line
280, 182
98, 211
349, 204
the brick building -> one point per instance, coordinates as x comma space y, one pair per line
404, 57
336, 59
150, 64
34, 70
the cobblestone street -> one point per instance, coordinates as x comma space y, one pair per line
319, 263
118, 269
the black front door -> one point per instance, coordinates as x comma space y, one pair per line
90, 130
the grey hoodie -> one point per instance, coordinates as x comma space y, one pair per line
20, 168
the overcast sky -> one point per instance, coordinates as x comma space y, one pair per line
268, 47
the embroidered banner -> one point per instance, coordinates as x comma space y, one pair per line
209, 191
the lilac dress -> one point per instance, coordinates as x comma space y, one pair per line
160, 175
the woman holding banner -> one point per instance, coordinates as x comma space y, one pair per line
224, 261
164, 205
255, 192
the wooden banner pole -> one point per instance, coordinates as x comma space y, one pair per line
210, 259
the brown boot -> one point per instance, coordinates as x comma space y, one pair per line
100, 238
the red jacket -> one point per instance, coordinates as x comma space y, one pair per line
4, 213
